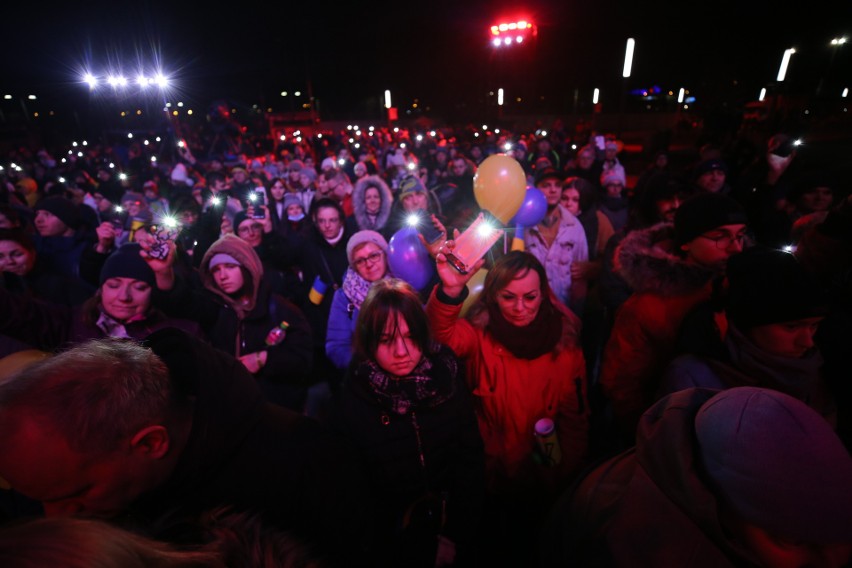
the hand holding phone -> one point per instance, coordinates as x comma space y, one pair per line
257, 200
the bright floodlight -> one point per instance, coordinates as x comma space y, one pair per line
142, 81
762, 94
387, 98
785, 61
596, 95
519, 39
838, 41
628, 57
496, 42
680, 94
91, 80
507, 41
161, 81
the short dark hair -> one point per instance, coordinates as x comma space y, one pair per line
387, 298
95, 394
326, 202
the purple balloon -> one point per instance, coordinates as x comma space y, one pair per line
532, 209
408, 258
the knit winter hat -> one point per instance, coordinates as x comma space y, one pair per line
704, 212
133, 196
239, 217
222, 258
615, 175
362, 237
65, 210
126, 262
778, 464
547, 173
410, 184
293, 199
770, 286
709, 166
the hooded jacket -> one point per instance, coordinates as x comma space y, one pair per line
240, 326
360, 209
648, 506
642, 341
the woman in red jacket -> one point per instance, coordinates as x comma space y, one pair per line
524, 364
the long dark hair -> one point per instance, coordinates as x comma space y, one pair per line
386, 299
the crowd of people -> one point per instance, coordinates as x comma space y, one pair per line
213, 359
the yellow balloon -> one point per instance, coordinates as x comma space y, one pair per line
474, 286
500, 186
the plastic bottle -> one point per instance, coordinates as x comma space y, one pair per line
277, 333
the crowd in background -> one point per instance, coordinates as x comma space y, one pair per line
618, 315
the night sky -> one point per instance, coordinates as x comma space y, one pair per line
435, 51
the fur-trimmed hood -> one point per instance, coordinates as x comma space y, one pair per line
360, 208
646, 261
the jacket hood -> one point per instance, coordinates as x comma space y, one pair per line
243, 252
666, 448
360, 208
646, 261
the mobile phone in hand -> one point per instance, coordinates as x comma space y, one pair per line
257, 200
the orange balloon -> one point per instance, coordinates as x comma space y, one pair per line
474, 286
500, 186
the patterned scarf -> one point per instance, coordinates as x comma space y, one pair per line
431, 383
355, 287
114, 328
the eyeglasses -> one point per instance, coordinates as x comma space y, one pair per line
370, 259
253, 228
724, 240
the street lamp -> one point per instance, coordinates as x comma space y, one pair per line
785, 61
628, 66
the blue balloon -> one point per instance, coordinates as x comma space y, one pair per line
532, 210
408, 258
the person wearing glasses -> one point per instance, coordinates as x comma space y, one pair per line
367, 252
671, 268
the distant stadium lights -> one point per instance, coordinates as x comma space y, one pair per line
509, 33
628, 57
120, 81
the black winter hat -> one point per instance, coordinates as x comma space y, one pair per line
767, 286
127, 263
704, 212
65, 210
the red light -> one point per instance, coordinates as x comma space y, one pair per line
507, 33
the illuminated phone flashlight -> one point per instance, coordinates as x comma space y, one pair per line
61, 179
169, 222
485, 230
507, 146
341, 161
181, 144
118, 209
789, 248
798, 142
122, 176
215, 200
252, 197
411, 166
413, 220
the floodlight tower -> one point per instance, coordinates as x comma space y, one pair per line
511, 40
